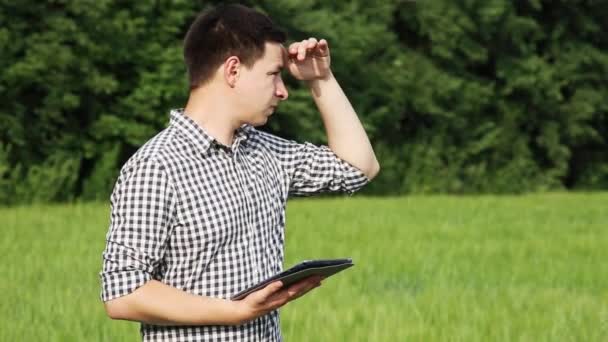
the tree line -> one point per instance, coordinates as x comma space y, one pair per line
457, 96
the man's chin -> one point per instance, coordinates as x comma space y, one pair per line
260, 121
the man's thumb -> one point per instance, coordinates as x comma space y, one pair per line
271, 289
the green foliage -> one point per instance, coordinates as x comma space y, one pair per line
498, 96
4, 175
52, 180
456, 96
82, 76
101, 180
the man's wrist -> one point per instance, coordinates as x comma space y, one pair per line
236, 312
318, 81
317, 84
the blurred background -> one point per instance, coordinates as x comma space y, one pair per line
464, 96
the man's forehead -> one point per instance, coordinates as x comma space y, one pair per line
275, 53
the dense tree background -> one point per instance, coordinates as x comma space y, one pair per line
458, 96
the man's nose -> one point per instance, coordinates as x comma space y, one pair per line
281, 91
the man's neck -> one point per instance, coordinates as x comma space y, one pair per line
213, 116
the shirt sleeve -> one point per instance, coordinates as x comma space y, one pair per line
142, 205
314, 169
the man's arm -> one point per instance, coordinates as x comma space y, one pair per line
160, 304
309, 61
345, 133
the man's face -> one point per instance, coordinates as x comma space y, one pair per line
260, 88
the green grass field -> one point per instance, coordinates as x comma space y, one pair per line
437, 268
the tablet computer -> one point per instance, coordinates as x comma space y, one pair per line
305, 269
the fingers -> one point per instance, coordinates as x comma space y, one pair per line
302, 287
263, 295
298, 50
274, 296
268, 298
323, 47
294, 291
303, 48
306, 47
269, 290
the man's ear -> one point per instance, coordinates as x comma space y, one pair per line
232, 69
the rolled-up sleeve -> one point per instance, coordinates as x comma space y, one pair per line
314, 169
142, 208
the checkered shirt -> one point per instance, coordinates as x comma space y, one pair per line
209, 219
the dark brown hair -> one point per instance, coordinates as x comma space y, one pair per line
224, 31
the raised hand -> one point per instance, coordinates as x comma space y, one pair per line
309, 59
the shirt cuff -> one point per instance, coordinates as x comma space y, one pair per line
352, 178
116, 284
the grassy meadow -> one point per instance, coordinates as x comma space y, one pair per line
427, 268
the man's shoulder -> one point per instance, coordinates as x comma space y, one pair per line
157, 150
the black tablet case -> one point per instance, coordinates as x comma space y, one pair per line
305, 269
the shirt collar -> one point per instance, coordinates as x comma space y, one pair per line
199, 136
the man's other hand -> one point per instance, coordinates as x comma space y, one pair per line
272, 297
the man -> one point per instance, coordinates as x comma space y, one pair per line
198, 212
